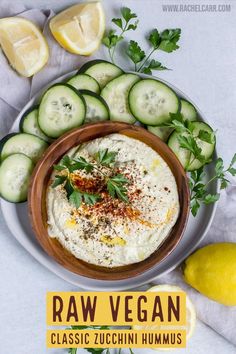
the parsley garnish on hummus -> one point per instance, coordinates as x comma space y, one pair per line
82, 189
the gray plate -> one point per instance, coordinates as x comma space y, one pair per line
16, 217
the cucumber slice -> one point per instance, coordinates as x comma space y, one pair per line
22, 143
186, 158
15, 172
207, 148
29, 124
162, 132
115, 93
96, 108
84, 82
188, 111
101, 70
182, 154
62, 108
151, 101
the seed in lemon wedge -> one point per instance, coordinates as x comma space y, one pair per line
80, 28
212, 271
190, 312
23, 44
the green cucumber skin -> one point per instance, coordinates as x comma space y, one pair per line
189, 169
138, 79
9, 136
172, 136
3, 141
186, 167
72, 88
88, 65
21, 125
178, 100
22, 201
26, 113
90, 77
95, 95
182, 100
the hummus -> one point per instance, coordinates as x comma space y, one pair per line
113, 233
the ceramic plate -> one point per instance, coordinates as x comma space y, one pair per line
16, 216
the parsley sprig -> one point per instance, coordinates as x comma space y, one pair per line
199, 189
166, 41
188, 139
125, 24
116, 184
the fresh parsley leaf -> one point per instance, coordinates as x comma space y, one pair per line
198, 187
207, 136
82, 164
189, 143
127, 14
96, 350
132, 26
219, 166
232, 171
105, 157
119, 179
153, 65
69, 188
65, 161
224, 183
111, 39
233, 161
116, 188
58, 180
90, 199
118, 22
72, 350
135, 53
195, 205
211, 198
76, 198
169, 40
59, 167
154, 38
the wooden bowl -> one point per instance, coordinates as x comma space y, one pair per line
37, 200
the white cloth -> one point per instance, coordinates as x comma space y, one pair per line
15, 91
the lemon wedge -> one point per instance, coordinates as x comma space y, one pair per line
80, 28
190, 311
23, 44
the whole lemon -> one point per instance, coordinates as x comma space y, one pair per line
212, 271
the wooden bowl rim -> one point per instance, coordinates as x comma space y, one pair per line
35, 209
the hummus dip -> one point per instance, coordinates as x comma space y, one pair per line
113, 233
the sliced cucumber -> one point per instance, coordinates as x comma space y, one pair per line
188, 111
207, 148
15, 172
102, 71
22, 143
29, 124
151, 101
162, 132
62, 108
84, 82
182, 154
115, 93
96, 108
